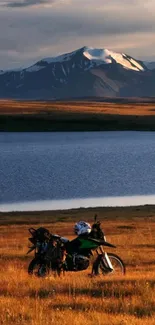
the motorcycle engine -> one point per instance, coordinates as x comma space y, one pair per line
77, 262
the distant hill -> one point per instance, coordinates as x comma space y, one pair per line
84, 73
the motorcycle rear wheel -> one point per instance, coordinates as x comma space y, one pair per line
117, 263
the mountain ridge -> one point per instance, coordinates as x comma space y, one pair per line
84, 72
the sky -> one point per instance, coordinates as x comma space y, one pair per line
34, 29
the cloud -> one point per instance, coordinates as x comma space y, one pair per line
31, 3
25, 3
46, 28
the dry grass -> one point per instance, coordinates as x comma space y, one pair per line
73, 107
76, 116
77, 298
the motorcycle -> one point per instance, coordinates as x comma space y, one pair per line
56, 253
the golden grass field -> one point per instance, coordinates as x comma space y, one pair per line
76, 298
76, 107
19, 116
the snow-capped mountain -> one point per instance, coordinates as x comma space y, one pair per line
86, 72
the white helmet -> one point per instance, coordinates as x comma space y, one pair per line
82, 227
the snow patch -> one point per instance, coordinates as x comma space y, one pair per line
136, 64
34, 68
63, 70
60, 58
104, 56
97, 55
19, 86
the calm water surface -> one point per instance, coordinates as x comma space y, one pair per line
35, 167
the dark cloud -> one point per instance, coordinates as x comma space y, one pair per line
25, 3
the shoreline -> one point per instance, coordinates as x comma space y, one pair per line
74, 215
78, 203
104, 122
82, 209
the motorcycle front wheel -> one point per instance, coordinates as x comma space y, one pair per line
36, 268
117, 263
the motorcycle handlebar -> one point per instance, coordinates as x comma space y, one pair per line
32, 230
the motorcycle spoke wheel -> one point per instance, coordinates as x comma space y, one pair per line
118, 266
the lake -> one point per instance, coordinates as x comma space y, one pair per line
41, 171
